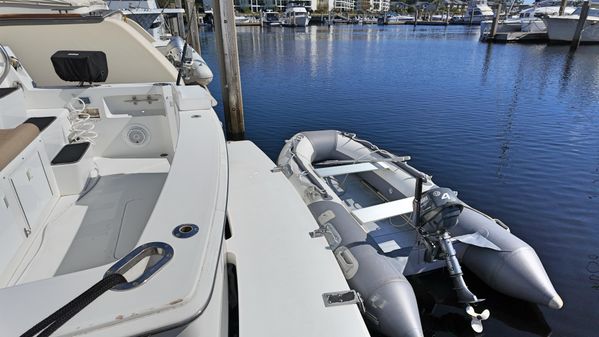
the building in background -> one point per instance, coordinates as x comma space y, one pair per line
372, 5
341, 5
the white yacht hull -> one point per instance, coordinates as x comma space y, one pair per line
477, 19
561, 29
509, 25
300, 20
533, 25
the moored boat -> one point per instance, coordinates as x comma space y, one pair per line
562, 28
270, 18
477, 11
385, 220
296, 15
99, 144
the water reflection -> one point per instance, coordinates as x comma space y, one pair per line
441, 311
567, 71
487, 62
513, 127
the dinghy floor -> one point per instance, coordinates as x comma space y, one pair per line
390, 234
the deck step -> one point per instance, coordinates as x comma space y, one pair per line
384, 211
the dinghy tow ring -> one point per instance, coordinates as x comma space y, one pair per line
158, 254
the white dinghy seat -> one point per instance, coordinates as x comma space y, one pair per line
14, 141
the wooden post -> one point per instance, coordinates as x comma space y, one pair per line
180, 21
562, 7
228, 61
471, 15
192, 17
584, 12
495, 22
447, 16
415, 16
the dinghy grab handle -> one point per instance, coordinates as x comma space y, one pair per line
159, 254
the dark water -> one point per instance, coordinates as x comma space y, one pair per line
513, 128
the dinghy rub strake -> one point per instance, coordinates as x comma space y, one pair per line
385, 220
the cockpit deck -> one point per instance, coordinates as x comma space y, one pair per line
103, 223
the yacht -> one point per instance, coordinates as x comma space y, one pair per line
98, 146
531, 19
241, 19
478, 11
270, 18
394, 19
296, 16
562, 28
149, 20
115, 173
150, 16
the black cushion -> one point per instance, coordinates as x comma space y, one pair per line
41, 122
71, 153
7, 91
80, 66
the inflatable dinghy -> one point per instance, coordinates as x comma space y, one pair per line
385, 220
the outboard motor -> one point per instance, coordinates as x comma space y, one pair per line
438, 213
439, 210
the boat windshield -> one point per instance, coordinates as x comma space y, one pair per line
592, 11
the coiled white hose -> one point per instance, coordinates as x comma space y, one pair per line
81, 126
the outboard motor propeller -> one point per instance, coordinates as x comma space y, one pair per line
438, 212
477, 319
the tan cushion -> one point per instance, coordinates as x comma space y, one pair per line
14, 141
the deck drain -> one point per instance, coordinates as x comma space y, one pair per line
185, 230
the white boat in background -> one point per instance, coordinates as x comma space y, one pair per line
240, 19
528, 20
296, 16
149, 15
478, 11
562, 28
399, 18
270, 18
531, 19
363, 20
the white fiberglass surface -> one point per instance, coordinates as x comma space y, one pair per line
103, 225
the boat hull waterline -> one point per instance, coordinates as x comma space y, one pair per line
377, 256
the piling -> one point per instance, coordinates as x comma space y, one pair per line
495, 22
192, 17
180, 21
415, 16
584, 12
562, 7
228, 61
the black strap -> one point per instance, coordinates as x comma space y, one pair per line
62, 315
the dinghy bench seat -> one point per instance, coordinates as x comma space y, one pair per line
14, 141
351, 168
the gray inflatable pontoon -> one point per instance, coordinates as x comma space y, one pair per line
385, 220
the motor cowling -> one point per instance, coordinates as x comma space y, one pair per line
439, 210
